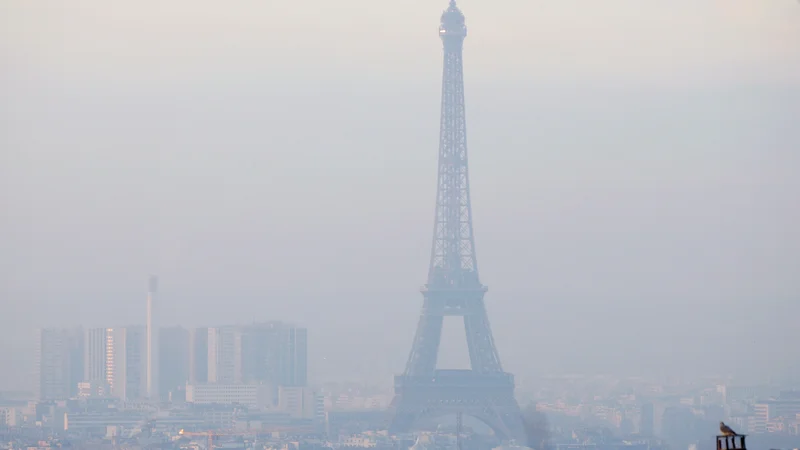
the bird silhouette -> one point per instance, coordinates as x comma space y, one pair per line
726, 430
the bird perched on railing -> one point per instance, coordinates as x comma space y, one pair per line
726, 430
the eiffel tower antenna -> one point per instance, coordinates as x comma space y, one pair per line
453, 287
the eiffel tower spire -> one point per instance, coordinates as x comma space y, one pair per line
453, 260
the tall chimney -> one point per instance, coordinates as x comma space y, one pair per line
151, 293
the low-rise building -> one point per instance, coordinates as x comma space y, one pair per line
249, 395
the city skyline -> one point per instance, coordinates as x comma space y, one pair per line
112, 361
637, 412
634, 167
648, 188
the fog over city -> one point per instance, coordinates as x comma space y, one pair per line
633, 170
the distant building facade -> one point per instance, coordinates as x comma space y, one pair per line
126, 363
96, 354
59, 362
299, 402
250, 395
174, 359
198, 355
275, 353
225, 355
113, 361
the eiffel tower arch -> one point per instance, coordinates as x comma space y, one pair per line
453, 288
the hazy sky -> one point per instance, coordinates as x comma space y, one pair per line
633, 164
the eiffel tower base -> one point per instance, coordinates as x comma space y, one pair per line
487, 397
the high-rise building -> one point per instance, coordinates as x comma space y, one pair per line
225, 355
261, 347
295, 368
275, 353
136, 365
198, 355
59, 362
270, 353
125, 364
76, 355
173, 360
95, 358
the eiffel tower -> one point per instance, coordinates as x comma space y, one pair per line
453, 288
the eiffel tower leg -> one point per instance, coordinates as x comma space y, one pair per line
403, 416
425, 349
482, 351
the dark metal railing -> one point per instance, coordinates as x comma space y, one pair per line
731, 442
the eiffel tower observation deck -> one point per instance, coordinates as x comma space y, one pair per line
453, 288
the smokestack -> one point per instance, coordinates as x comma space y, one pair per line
150, 363
153, 284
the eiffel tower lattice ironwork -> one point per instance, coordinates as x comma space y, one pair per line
453, 287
